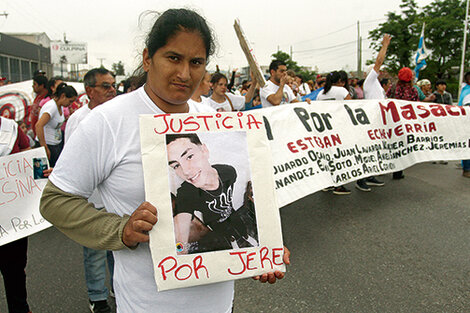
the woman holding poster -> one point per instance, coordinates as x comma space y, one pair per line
105, 153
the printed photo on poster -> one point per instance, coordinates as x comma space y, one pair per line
39, 165
211, 192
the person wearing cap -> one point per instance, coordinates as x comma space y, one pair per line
426, 89
404, 88
2, 80
442, 96
39, 73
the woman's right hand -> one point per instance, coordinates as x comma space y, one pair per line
139, 224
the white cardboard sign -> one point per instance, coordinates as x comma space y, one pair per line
21, 186
217, 209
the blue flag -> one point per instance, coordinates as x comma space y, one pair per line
421, 55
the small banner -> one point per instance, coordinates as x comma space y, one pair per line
21, 185
211, 178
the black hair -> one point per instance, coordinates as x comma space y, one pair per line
331, 78
64, 89
90, 76
40, 80
216, 77
194, 138
466, 76
441, 82
51, 83
344, 78
275, 64
360, 82
384, 81
168, 24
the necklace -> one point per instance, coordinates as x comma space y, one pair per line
221, 187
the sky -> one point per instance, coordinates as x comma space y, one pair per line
321, 34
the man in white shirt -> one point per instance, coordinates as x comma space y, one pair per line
372, 87
100, 87
373, 90
276, 91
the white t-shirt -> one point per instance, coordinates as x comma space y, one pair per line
70, 128
105, 154
52, 132
238, 103
203, 104
335, 93
372, 87
271, 88
304, 89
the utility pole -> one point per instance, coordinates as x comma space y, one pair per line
359, 51
462, 65
291, 53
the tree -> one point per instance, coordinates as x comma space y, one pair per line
444, 32
443, 38
285, 57
118, 68
405, 30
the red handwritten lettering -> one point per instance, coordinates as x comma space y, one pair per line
265, 257
242, 260
197, 264
160, 265
276, 256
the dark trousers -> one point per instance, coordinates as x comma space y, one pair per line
55, 153
13, 257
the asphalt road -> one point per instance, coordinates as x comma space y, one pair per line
403, 247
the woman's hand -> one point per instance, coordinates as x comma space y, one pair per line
139, 224
272, 277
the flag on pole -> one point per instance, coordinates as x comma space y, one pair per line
421, 54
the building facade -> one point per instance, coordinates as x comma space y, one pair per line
22, 54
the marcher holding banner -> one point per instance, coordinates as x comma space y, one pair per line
105, 153
13, 255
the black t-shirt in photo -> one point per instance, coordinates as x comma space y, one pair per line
215, 206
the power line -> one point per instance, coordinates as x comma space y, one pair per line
337, 31
326, 48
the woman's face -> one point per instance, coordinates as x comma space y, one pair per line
64, 101
175, 71
205, 85
220, 87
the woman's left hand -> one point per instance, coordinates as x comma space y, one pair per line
272, 277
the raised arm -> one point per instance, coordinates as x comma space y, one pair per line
382, 53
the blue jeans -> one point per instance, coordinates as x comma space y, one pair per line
466, 165
95, 272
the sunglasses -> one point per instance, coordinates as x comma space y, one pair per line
105, 86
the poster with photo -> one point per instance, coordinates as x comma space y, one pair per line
21, 186
212, 183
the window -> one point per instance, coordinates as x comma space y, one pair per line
25, 70
15, 70
4, 67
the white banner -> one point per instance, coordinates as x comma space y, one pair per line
69, 53
330, 143
218, 218
21, 186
